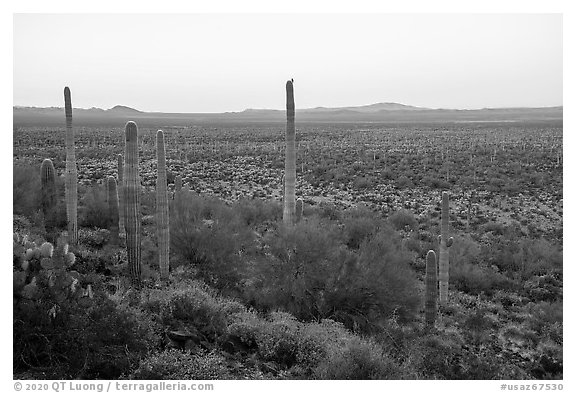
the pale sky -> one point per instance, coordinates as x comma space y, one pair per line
230, 62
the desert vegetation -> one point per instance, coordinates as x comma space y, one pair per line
188, 256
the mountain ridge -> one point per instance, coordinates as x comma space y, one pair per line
380, 112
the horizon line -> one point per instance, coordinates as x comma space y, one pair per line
306, 108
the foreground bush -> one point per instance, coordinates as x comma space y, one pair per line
100, 341
311, 274
177, 365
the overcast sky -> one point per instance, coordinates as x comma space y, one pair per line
219, 62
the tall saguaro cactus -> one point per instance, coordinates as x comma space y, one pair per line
120, 193
113, 209
290, 162
431, 295
445, 243
71, 173
132, 202
48, 182
162, 224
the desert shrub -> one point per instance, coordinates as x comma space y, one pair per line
359, 223
434, 182
358, 359
93, 238
312, 275
96, 341
256, 211
278, 339
543, 288
328, 210
546, 319
403, 218
192, 304
93, 209
302, 259
523, 256
25, 190
211, 236
378, 285
475, 279
404, 182
496, 228
322, 349
176, 365
466, 272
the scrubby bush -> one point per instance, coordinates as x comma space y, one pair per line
312, 275
403, 218
25, 190
359, 359
191, 304
98, 341
359, 223
254, 212
93, 209
213, 237
177, 365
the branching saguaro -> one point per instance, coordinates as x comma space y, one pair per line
445, 243
120, 193
49, 197
132, 203
71, 172
290, 161
431, 295
162, 224
113, 209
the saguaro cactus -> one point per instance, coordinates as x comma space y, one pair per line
71, 173
120, 193
132, 202
177, 188
113, 209
299, 209
48, 181
430, 300
162, 224
290, 162
445, 243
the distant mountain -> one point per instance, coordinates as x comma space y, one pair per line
373, 108
123, 109
384, 112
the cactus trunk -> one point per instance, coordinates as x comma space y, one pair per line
299, 209
132, 202
113, 209
49, 199
71, 173
120, 194
445, 243
177, 188
162, 224
290, 162
430, 301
